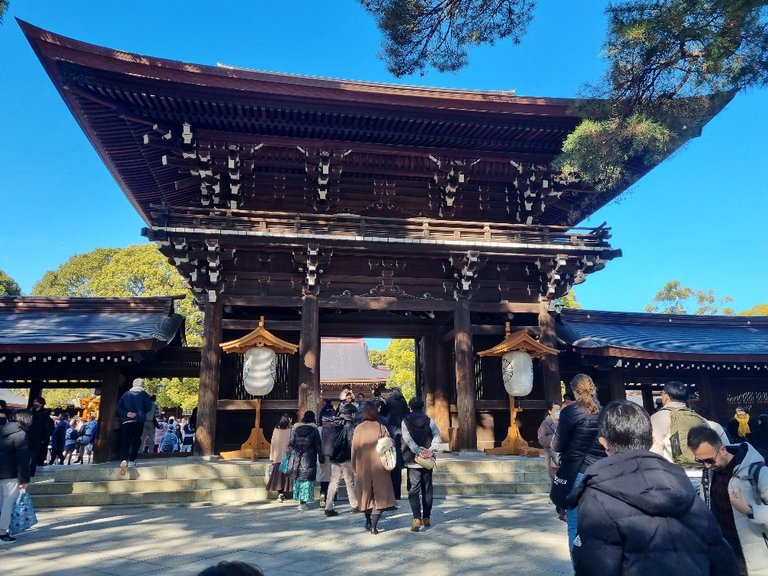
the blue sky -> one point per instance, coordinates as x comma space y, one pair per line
698, 218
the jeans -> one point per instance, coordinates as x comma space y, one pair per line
572, 518
420, 492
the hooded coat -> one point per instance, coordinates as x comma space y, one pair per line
305, 443
638, 515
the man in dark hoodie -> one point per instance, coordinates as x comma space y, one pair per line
637, 512
39, 434
14, 467
420, 436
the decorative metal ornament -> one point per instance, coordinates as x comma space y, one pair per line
259, 371
517, 373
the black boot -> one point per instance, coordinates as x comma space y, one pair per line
375, 523
368, 523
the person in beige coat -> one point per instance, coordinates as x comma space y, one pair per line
373, 485
279, 482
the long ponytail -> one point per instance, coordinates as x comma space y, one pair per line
585, 391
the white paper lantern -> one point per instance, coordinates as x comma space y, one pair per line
259, 369
517, 372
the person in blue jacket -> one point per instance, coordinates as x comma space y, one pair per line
132, 409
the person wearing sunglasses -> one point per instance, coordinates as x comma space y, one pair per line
735, 487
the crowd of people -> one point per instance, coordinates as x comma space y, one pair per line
673, 492
343, 443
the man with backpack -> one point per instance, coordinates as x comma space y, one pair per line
735, 487
337, 436
670, 430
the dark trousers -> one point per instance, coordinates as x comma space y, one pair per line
38, 450
420, 492
130, 440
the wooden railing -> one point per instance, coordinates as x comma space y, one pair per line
373, 228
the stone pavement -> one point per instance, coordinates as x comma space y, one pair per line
490, 536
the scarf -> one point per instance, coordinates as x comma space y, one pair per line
743, 430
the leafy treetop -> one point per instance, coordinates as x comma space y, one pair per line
8, 286
674, 298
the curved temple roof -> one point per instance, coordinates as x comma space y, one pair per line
55, 325
132, 108
665, 336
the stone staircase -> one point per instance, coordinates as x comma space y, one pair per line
188, 480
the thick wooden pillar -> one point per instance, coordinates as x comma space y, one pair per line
466, 435
437, 396
616, 383
35, 391
110, 389
647, 394
550, 364
210, 364
309, 356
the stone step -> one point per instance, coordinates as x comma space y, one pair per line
191, 480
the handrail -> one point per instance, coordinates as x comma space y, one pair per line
345, 225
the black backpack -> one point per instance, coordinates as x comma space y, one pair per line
341, 451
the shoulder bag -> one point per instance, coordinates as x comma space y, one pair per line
385, 448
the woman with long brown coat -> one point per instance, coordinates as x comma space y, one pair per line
373, 485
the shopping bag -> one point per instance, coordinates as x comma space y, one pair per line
23, 516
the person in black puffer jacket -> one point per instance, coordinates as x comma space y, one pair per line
307, 450
637, 512
575, 442
14, 467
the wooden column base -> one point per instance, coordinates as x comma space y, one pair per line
254, 448
514, 444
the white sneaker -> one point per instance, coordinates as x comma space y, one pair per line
123, 467
302, 507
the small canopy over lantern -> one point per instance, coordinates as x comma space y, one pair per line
517, 352
260, 349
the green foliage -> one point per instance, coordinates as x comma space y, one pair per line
421, 33
678, 299
174, 392
569, 300
58, 397
401, 362
756, 310
598, 150
3, 9
8, 286
668, 49
377, 358
74, 277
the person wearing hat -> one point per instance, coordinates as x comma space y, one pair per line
340, 432
132, 409
306, 450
